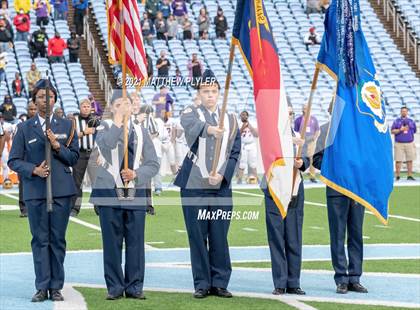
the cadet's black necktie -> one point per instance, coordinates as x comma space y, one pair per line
214, 118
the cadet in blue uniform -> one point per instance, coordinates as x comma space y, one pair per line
122, 210
27, 158
203, 193
285, 236
344, 215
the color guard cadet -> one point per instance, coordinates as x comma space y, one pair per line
203, 193
120, 195
27, 158
344, 216
285, 235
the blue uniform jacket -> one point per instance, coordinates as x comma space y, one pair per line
189, 176
108, 138
28, 151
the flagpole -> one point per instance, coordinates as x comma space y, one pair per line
223, 110
124, 84
306, 119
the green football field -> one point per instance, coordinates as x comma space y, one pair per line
166, 229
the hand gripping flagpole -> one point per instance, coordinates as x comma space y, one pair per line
223, 110
306, 119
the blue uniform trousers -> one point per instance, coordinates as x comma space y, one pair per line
120, 225
48, 243
285, 241
344, 215
209, 249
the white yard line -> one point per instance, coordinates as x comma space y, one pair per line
73, 300
295, 301
412, 219
80, 222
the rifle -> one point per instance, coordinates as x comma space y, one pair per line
48, 145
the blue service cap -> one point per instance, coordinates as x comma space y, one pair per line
208, 78
42, 84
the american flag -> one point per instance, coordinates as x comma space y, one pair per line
136, 63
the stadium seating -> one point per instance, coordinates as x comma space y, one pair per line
411, 11
289, 22
67, 77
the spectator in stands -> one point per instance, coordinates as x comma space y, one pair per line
163, 102
195, 70
37, 42
95, 107
6, 36
172, 24
60, 9
25, 5
324, 5
161, 27
179, 9
151, 8
73, 44
32, 76
203, 22
178, 77
404, 129
23, 25
17, 86
42, 11
187, 26
4, 10
31, 109
56, 47
58, 112
149, 66
80, 10
3, 63
147, 28
165, 8
163, 65
312, 38
312, 133
220, 22
312, 6
8, 109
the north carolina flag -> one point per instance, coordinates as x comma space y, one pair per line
357, 159
135, 55
252, 34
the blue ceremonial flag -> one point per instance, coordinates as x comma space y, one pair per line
357, 159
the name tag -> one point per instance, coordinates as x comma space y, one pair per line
32, 141
61, 136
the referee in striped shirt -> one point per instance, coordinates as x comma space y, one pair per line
85, 127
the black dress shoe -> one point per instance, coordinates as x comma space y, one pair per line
138, 295
342, 288
74, 213
55, 295
200, 293
40, 296
23, 215
220, 292
397, 178
295, 291
357, 287
411, 178
279, 291
113, 297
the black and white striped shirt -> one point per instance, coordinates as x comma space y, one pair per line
86, 142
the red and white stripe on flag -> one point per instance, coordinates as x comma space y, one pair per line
136, 62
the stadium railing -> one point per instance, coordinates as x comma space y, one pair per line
98, 65
402, 27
